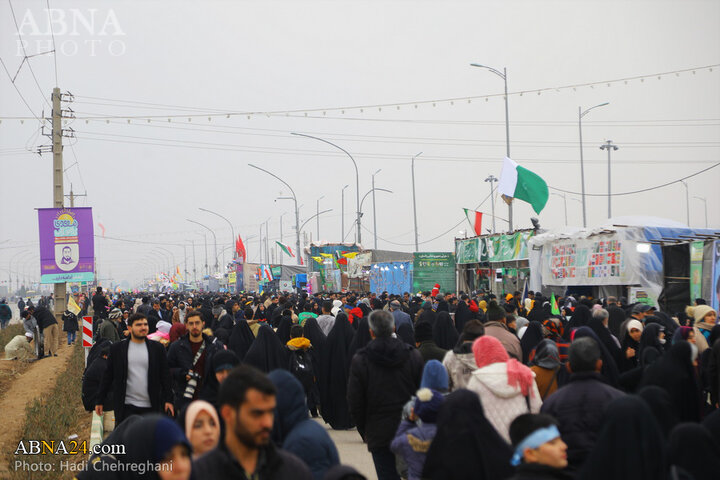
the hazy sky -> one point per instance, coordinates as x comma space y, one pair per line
199, 58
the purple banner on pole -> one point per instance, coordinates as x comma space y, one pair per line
67, 245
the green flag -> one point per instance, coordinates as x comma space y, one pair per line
554, 306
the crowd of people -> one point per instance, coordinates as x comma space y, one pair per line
438, 386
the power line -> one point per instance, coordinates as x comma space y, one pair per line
398, 105
25, 57
638, 191
18, 91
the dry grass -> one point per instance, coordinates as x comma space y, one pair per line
10, 370
55, 416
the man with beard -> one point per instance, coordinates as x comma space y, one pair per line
247, 405
190, 357
138, 373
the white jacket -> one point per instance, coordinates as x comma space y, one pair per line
459, 366
501, 402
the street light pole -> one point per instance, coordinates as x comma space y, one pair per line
687, 201
581, 114
503, 75
232, 230
357, 183
342, 214
492, 179
374, 210
318, 216
609, 147
565, 202
412, 169
297, 212
214, 238
704, 200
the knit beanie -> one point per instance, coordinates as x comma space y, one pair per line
427, 404
224, 360
494, 312
435, 376
115, 313
698, 312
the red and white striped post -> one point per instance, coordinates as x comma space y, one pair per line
87, 336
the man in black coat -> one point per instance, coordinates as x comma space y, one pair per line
462, 313
100, 303
182, 364
155, 315
580, 405
383, 377
138, 373
247, 406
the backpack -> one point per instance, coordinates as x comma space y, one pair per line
301, 367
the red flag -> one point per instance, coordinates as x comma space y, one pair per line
342, 261
240, 249
475, 220
301, 261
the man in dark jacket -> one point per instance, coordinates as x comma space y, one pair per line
580, 405
295, 432
383, 377
49, 328
100, 303
425, 343
5, 314
190, 357
247, 406
138, 373
462, 313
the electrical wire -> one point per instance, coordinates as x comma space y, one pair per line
19, 92
52, 33
25, 55
638, 191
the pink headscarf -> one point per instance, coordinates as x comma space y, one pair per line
194, 409
488, 350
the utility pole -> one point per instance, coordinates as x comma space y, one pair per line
412, 168
73, 195
609, 147
687, 201
492, 179
342, 215
194, 264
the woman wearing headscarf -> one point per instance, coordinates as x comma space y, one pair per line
241, 338
177, 331
674, 372
712, 423
630, 445
220, 365
427, 314
466, 445
201, 424
546, 365
531, 338
661, 406
694, 450
444, 332
267, 352
630, 346
283, 330
361, 337
505, 386
460, 361
580, 318
597, 325
333, 373
406, 333
609, 369
154, 439
707, 365
651, 345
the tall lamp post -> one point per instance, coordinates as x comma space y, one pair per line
581, 114
609, 147
687, 201
374, 209
232, 230
358, 235
297, 212
412, 169
318, 216
492, 179
565, 202
502, 75
214, 239
342, 214
704, 200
